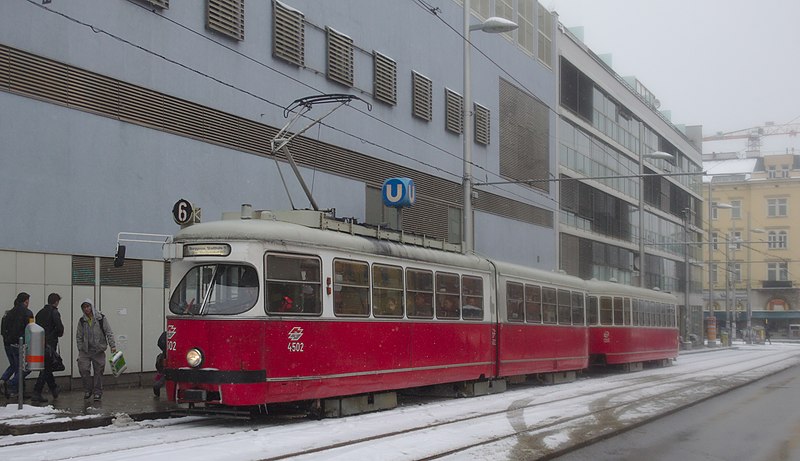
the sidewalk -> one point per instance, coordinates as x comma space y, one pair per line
70, 411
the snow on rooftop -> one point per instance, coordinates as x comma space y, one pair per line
744, 166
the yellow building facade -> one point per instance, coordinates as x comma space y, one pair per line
753, 240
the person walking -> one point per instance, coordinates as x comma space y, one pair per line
93, 336
50, 320
160, 377
13, 327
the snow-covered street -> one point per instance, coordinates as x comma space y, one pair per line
526, 421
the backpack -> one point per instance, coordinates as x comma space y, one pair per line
11, 327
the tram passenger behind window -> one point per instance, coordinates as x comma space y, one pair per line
281, 299
447, 307
421, 306
393, 308
472, 308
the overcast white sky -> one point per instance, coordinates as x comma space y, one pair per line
724, 64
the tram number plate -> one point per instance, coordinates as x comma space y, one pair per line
171, 345
295, 347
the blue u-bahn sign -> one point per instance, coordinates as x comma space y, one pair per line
398, 192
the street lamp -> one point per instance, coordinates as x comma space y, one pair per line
711, 207
492, 25
654, 155
749, 280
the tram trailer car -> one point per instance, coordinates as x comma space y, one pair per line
630, 326
277, 307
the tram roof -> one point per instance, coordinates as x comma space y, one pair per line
311, 228
600, 287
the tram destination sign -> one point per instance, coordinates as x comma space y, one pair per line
206, 249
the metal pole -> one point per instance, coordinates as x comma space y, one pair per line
20, 377
467, 237
687, 274
733, 282
710, 263
641, 205
728, 290
749, 264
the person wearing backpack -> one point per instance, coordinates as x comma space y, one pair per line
50, 320
93, 336
13, 327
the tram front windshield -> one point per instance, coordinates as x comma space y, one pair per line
216, 289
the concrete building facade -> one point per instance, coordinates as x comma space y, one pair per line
112, 111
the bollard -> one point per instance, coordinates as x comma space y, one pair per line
34, 340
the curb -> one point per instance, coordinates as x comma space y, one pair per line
74, 424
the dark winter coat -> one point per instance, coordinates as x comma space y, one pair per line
14, 322
50, 319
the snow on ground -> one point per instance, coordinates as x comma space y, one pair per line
416, 428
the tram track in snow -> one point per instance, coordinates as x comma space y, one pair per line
603, 397
544, 427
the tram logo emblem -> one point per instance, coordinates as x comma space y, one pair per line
295, 334
171, 331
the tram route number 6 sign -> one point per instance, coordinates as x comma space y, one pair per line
182, 212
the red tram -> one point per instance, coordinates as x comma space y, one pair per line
296, 306
630, 326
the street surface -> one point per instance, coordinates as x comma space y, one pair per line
756, 422
524, 423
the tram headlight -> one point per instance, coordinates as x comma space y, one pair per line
194, 357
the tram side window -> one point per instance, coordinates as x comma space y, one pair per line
350, 288
626, 304
448, 295
419, 284
293, 284
472, 293
387, 291
648, 313
549, 305
564, 308
515, 302
592, 310
577, 309
606, 311
618, 311
533, 304
636, 313
672, 319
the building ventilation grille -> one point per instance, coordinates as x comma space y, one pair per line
524, 136
422, 99
167, 273
129, 275
164, 4
36, 77
385, 84
340, 57
226, 17
288, 34
83, 270
482, 125
454, 111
